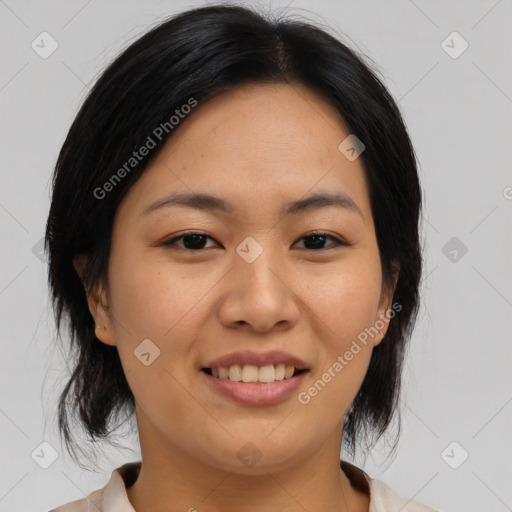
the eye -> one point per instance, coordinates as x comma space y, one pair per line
319, 238
193, 241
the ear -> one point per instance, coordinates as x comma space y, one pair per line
385, 311
97, 299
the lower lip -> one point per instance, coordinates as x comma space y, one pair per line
250, 393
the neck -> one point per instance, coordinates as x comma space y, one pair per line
170, 480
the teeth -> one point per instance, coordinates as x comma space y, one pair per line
267, 373
289, 372
280, 371
251, 373
235, 373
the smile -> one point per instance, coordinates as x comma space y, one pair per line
251, 373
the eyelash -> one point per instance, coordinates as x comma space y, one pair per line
337, 241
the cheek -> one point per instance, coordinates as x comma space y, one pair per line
346, 300
345, 303
153, 300
163, 307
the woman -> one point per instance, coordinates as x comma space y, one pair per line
233, 236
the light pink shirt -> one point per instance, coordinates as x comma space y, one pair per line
113, 497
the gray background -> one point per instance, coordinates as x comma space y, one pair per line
457, 384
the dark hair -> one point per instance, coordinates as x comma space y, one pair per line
198, 54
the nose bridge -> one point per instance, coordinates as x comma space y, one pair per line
260, 294
258, 259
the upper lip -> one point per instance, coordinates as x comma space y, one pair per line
257, 359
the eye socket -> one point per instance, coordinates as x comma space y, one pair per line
195, 238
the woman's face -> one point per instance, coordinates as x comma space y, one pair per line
256, 280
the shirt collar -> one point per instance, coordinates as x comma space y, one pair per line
115, 498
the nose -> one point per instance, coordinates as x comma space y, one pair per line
259, 295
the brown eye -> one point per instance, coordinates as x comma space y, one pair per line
191, 241
317, 240
196, 241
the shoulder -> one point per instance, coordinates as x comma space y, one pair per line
384, 499
111, 498
94, 501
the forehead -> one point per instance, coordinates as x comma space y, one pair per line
272, 121
254, 145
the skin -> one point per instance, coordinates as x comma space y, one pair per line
257, 146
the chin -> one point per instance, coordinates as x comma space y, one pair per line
255, 455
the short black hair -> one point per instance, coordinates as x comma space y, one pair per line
198, 54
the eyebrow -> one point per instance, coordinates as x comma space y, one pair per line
208, 202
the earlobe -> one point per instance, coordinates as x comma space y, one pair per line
385, 307
382, 326
79, 262
100, 311
98, 305
105, 335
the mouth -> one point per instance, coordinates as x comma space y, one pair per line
255, 386
266, 374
